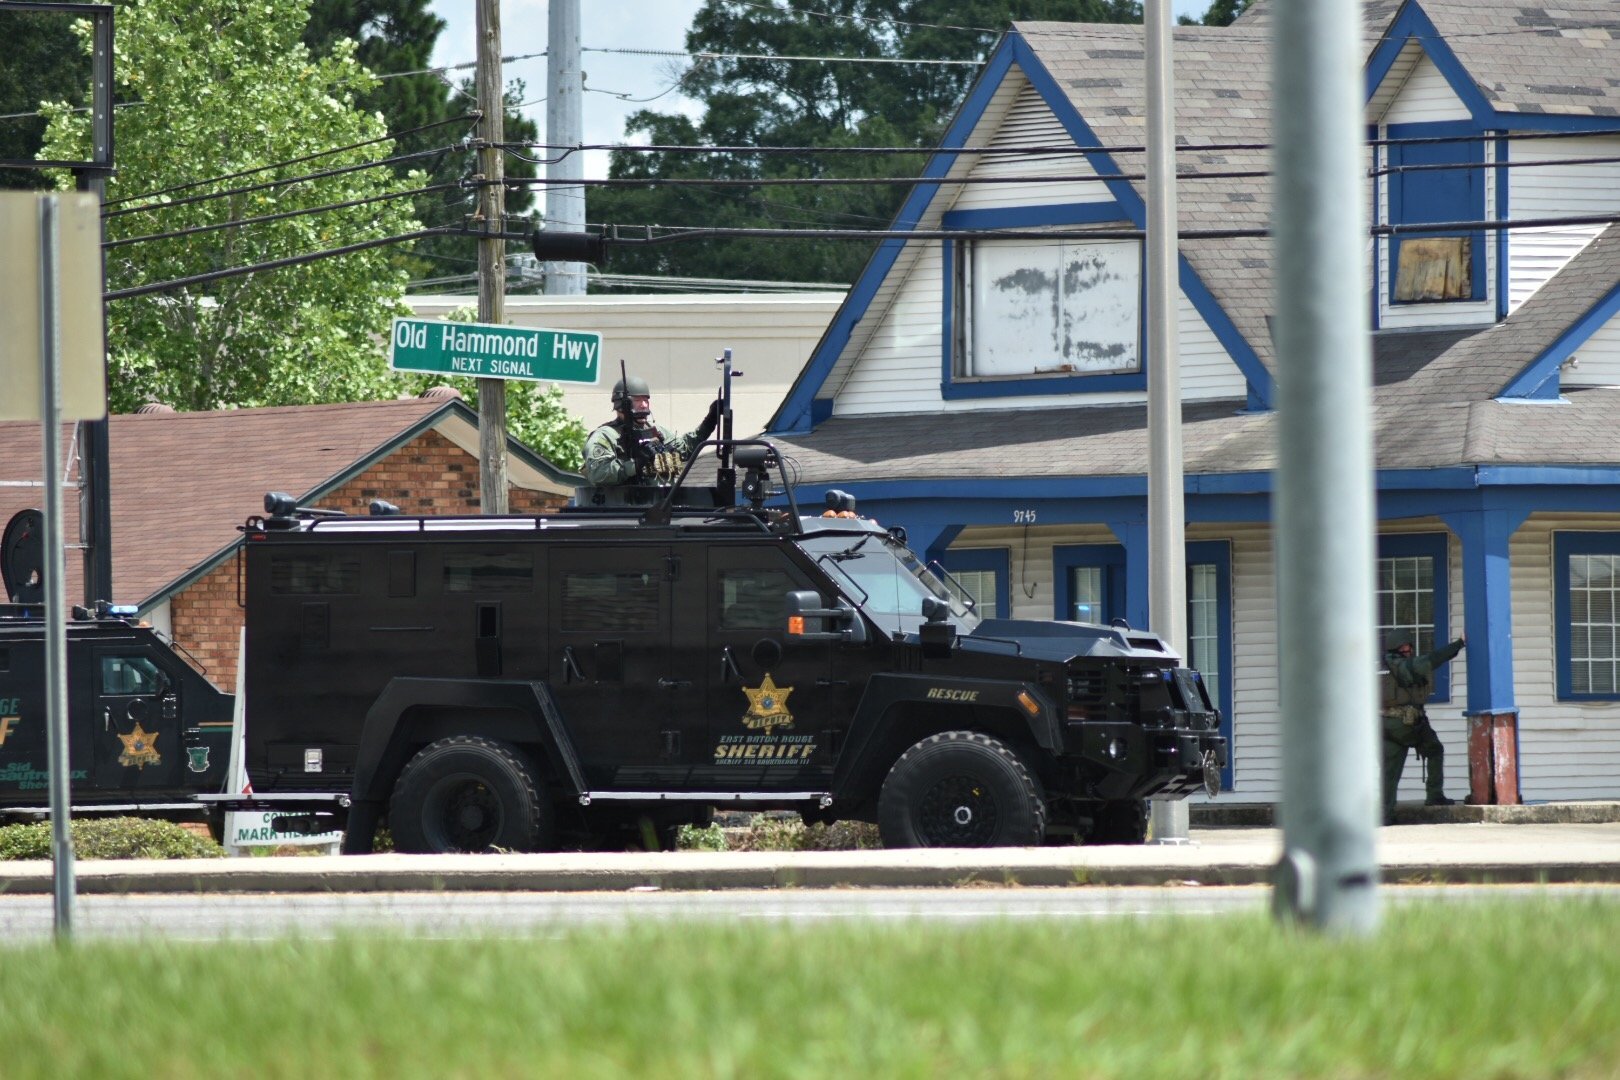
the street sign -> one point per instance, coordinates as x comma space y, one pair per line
484, 351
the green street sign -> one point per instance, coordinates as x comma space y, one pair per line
484, 351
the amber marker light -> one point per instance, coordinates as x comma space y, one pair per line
796, 624
1030, 705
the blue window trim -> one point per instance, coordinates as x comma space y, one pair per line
992, 559
1437, 547
1219, 552
951, 386
1471, 152
1566, 544
1111, 557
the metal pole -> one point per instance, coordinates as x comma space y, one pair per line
55, 571
491, 255
95, 470
1324, 504
1167, 534
565, 89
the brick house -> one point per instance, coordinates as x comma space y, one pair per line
183, 482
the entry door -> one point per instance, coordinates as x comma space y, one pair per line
773, 706
624, 698
137, 739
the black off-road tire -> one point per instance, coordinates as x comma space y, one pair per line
1122, 822
468, 793
961, 789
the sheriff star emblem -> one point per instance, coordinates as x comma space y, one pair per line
767, 707
140, 748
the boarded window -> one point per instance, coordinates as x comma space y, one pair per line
1064, 307
602, 601
1435, 268
488, 571
315, 575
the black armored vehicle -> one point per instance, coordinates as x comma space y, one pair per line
639, 659
146, 733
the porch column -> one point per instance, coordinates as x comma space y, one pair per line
929, 539
1133, 535
1493, 717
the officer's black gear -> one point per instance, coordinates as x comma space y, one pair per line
707, 426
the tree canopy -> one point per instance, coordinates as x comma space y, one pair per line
776, 102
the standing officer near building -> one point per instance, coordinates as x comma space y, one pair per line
632, 449
1404, 685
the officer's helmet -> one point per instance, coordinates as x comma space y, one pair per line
624, 393
1396, 638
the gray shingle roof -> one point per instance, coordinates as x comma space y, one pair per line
1554, 58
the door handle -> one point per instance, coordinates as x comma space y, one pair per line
728, 667
106, 718
674, 684
571, 672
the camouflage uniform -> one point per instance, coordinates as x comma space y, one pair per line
1404, 686
611, 452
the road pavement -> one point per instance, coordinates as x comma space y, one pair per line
1479, 852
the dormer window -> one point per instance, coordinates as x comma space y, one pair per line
1446, 183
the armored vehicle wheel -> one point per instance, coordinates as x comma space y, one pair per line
1122, 822
469, 794
960, 789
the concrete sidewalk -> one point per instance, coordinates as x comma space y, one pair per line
1468, 852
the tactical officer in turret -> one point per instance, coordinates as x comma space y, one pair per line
1404, 685
632, 449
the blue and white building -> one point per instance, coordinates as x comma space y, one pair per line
989, 394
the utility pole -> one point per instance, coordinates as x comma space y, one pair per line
1167, 532
1323, 509
565, 89
491, 254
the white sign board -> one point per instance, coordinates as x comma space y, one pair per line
78, 290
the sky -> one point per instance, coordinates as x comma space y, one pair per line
613, 80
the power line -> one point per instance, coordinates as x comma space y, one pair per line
397, 158
474, 115
791, 10
702, 56
857, 181
273, 264
262, 218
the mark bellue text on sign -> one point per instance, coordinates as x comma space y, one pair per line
484, 351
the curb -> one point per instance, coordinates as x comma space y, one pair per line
1263, 815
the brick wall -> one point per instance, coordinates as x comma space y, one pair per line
428, 475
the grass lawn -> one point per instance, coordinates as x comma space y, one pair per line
1457, 990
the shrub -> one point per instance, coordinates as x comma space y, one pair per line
110, 838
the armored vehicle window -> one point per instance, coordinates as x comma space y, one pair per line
886, 578
315, 575
489, 571
5, 659
603, 600
130, 675
754, 599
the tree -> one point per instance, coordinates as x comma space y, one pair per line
784, 103
43, 63
1222, 12
225, 88
395, 36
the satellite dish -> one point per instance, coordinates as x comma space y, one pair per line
22, 557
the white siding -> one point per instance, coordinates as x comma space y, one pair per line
1543, 191
901, 367
1425, 98
1599, 359
1567, 749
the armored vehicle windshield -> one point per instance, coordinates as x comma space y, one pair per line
887, 580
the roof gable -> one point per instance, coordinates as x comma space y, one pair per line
1513, 66
1015, 56
181, 482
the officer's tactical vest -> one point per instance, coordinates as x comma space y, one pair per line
1406, 701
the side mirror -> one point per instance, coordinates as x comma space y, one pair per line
937, 633
807, 618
